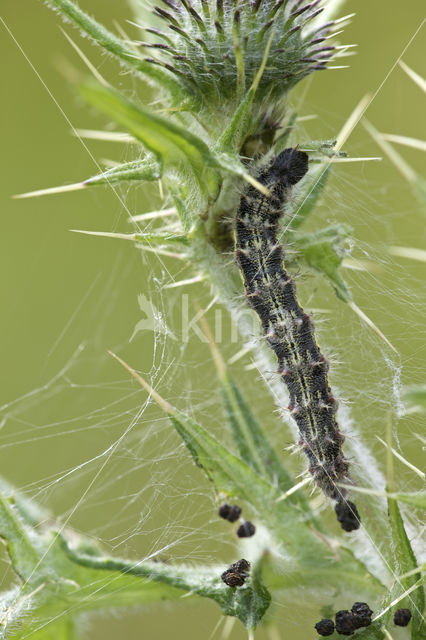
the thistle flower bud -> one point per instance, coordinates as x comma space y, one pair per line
217, 47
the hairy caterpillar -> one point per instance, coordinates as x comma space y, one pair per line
288, 329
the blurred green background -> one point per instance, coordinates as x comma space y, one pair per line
70, 432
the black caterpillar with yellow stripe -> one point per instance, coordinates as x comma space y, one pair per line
289, 330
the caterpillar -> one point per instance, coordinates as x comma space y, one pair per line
288, 330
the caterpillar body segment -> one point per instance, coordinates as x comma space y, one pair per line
286, 327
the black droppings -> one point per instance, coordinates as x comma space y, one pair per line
246, 530
345, 622
230, 513
402, 617
362, 613
347, 515
325, 627
236, 574
233, 579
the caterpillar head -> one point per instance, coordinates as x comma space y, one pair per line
289, 166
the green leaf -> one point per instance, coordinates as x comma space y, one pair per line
285, 525
414, 398
230, 475
308, 194
323, 251
29, 511
146, 169
22, 546
183, 204
169, 142
417, 499
373, 632
404, 559
239, 125
231, 163
179, 91
62, 579
252, 442
248, 603
280, 142
307, 559
404, 562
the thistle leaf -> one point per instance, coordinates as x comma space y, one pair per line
308, 195
404, 562
253, 444
416, 499
230, 475
29, 511
21, 545
404, 559
146, 169
323, 251
156, 239
60, 578
168, 141
248, 603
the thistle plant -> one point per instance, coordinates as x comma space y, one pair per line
220, 74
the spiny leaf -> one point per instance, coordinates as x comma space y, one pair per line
170, 142
145, 238
63, 579
308, 195
21, 545
308, 555
251, 440
113, 44
404, 559
248, 603
234, 134
404, 562
31, 513
323, 251
183, 205
146, 169
416, 499
230, 475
